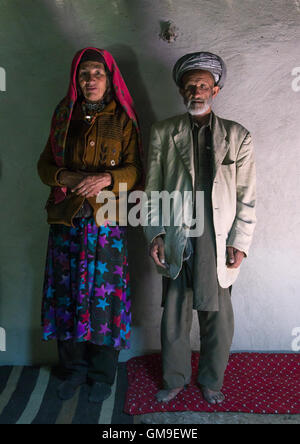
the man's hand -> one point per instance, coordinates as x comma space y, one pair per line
157, 251
234, 257
92, 184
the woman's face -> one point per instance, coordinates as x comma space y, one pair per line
92, 80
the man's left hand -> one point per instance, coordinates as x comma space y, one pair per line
234, 257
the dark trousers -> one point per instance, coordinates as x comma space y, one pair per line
216, 333
82, 360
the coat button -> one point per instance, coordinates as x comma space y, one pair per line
92, 143
112, 162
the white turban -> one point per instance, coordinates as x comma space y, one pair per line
201, 60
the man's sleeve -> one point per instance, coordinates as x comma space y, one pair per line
241, 234
154, 182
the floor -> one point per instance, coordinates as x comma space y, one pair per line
215, 418
28, 396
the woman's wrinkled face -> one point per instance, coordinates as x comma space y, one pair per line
92, 80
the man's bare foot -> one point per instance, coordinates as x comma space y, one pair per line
167, 395
211, 396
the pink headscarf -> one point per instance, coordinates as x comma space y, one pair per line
63, 112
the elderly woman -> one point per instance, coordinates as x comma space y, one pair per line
93, 146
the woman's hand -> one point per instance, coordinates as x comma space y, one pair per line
92, 184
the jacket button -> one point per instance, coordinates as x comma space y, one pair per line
92, 143
112, 162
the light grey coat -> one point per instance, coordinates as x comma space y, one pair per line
171, 167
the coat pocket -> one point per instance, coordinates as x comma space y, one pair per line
228, 161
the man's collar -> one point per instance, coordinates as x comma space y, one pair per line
194, 123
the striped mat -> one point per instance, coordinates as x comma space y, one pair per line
28, 396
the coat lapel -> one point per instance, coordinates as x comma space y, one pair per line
183, 141
220, 142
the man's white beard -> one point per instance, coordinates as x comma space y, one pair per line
198, 110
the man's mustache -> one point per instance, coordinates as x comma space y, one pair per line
191, 101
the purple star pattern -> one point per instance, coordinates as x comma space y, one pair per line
117, 342
104, 329
115, 232
118, 270
100, 292
102, 241
85, 292
109, 288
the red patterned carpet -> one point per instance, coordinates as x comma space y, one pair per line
254, 383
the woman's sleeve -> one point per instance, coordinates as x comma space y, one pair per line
130, 170
47, 168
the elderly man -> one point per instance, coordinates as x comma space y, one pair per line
199, 151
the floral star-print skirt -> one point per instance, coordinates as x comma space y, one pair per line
86, 294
